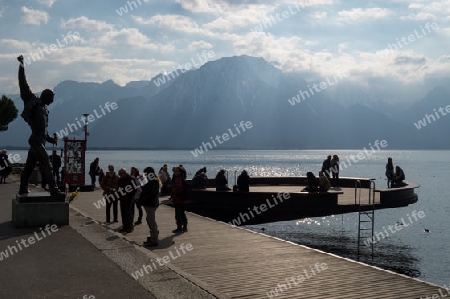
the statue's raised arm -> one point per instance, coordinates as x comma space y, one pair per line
25, 92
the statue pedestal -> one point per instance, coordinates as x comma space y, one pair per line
39, 209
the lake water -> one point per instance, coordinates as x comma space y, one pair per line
410, 251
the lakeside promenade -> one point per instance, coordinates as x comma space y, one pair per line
223, 262
78, 261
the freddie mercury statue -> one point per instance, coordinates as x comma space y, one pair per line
35, 113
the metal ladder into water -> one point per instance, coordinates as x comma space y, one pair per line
366, 214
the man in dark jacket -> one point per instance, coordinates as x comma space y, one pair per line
126, 190
93, 170
35, 113
56, 164
149, 199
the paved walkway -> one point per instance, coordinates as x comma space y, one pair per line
83, 260
231, 262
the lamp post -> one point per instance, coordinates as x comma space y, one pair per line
85, 125
85, 115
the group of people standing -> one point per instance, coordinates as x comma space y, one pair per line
142, 191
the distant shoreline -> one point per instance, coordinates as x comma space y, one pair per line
49, 148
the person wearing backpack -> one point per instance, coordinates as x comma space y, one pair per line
179, 197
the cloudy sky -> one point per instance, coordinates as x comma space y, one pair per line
402, 45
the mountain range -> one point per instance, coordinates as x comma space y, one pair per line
191, 109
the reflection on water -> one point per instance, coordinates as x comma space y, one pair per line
339, 235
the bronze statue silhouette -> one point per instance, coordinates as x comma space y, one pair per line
35, 113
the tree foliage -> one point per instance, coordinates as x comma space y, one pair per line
8, 112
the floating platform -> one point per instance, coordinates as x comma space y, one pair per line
273, 199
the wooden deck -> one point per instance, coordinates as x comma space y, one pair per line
232, 262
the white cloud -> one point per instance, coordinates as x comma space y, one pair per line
320, 15
428, 11
202, 6
176, 23
436, 7
359, 14
199, 45
85, 23
314, 2
113, 50
421, 16
48, 3
416, 6
33, 17
170, 21
290, 53
130, 38
251, 15
15, 44
444, 31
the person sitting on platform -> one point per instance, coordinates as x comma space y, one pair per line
221, 181
200, 179
243, 182
398, 177
324, 183
201, 170
312, 183
390, 175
